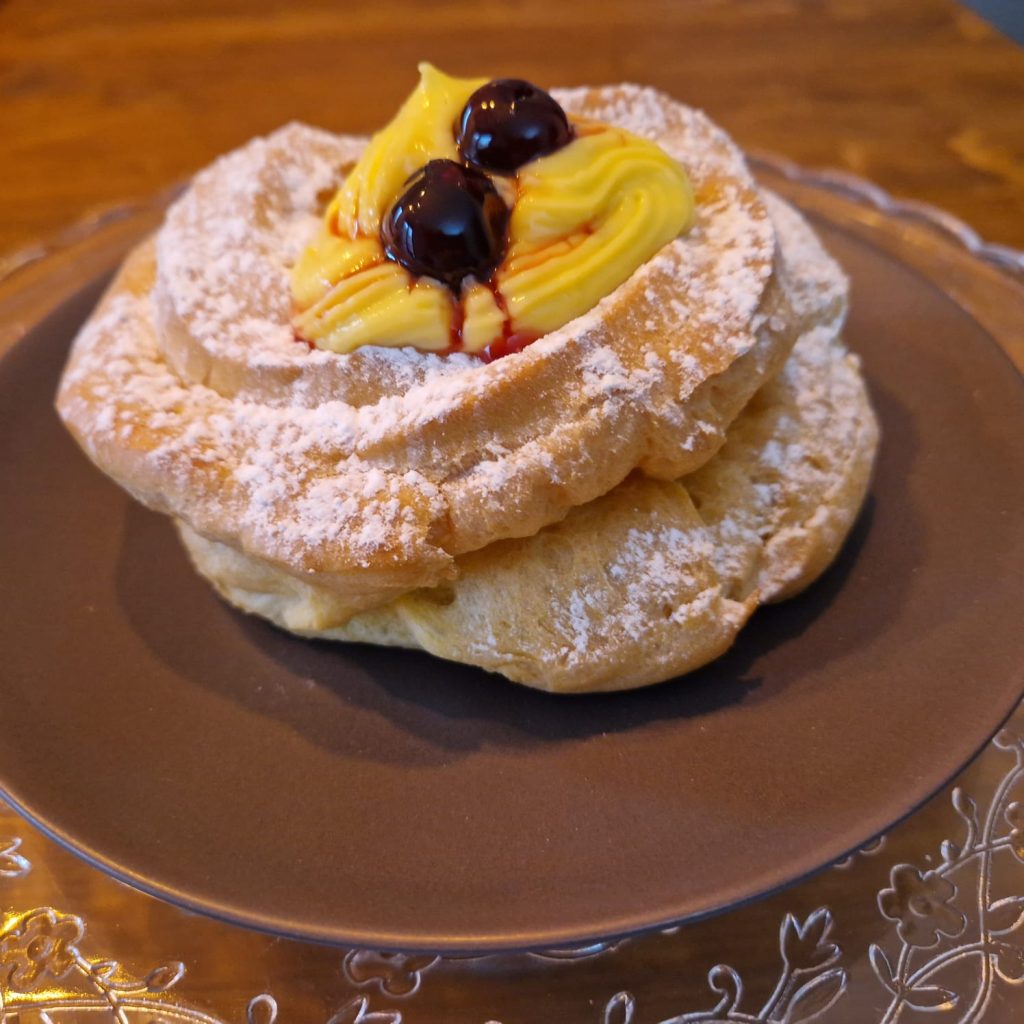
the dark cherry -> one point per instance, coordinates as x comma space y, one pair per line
508, 122
450, 223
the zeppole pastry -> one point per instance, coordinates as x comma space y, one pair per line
542, 383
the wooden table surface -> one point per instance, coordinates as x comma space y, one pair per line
109, 100
106, 100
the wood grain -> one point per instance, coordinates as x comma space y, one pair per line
110, 100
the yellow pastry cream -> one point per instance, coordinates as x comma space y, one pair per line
575, 222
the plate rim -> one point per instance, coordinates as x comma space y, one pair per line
935, 223
447, 945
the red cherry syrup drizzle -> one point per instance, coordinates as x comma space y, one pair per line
451, 223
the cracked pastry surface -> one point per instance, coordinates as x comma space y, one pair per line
369, 473
654, 578
567, 515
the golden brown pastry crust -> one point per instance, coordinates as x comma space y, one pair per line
655, 578
560, 516
369, 474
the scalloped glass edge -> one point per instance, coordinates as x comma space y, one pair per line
932, 218
986, 280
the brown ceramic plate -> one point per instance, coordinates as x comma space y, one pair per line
388, 799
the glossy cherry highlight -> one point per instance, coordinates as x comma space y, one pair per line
449, 224
507, 123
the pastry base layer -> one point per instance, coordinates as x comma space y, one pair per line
653, 579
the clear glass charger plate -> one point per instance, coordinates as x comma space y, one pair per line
924, 921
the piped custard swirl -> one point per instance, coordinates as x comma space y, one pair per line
579, 221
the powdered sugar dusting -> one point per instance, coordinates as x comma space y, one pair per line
226, 249
203, 404
786, 466
664, 575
